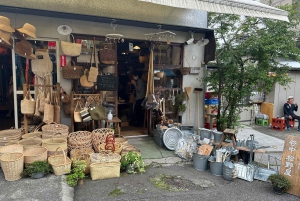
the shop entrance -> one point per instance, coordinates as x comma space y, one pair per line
6, 89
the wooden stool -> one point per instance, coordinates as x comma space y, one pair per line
231, 134
116, 121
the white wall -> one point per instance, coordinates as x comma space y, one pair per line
46, 27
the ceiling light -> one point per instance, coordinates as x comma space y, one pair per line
136, 47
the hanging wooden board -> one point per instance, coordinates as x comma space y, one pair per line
290, 163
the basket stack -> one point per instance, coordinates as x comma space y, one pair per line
10, 136
80, 140
55, 131
99, 137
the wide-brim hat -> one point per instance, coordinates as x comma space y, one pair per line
24, 49
290, 97
28, 29
5, 25
5, 37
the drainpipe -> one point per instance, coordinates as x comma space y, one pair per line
204, 91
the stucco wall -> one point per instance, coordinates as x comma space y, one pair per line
47, 28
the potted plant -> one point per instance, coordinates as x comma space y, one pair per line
132, 162
37, 169
179, 103
280, 183
77, 173
180, 109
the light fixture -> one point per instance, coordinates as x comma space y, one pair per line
160, 35
136, 47
64, 29
202, 41
113, 37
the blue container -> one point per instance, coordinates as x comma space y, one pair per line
212, 101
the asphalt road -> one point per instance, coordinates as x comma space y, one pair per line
208, 187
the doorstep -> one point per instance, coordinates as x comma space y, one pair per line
153, 154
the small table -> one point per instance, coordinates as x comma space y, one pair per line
116, 121
211, 116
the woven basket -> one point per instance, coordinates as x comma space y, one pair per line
87, 159
9, 135
55, 130
12, 165
106, 157
79, 139
71, 49
121, 140
118, 147
105, 170
76, 153
27, 105
53, 143
99, 137
30, 142
72, 72
61, 164
128, 148
36, 134
35, 154
107, 55
14, 148
185, 70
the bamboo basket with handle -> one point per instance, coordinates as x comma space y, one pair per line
61, 164
53, 143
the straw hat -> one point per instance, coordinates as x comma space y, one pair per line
5, 24
28, 29
5, 37
290, 97
24, 49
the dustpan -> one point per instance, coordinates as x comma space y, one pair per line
263, 174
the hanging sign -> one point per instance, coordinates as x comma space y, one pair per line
290, 163
51, 45
63, 60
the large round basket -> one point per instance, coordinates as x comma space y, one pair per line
55, 131
118, 148
31, 142
79, 140
12, 165
99, 136
76, 153
14, 148
61, 164
35, 154
53, 143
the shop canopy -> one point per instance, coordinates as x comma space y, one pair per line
239, 7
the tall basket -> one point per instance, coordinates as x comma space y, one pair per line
12, 166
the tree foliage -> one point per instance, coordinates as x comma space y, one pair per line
247, 56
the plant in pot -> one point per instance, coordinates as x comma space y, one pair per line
37, 169
280, 183
77, 173
180, 109
179, 103
132, 162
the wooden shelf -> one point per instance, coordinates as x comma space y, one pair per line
226, 144
164, 89
166, 66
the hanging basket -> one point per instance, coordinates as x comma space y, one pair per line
72, 71
185, 70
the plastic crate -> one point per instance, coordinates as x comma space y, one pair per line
261, 122
158, 137
212, 101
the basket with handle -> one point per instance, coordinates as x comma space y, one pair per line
27, 104
61, 164
35, 154
55, 130
99, 137
71, 49
12, 165
76, 153
118, 148
105, 170
121, 140
53, 143
108, 55
72, 71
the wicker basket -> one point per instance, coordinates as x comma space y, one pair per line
36, 134
76, 153
55, 130
118, 147
80, 139
61, 164
185, 70
31, 142
87, 159
121, 140
53, 143
35, 154
14, 148
99, 137
107, 55
105, 157
128, 148
12, 165
105, 170
72, 72
9, 135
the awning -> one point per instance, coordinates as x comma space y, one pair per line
237, 7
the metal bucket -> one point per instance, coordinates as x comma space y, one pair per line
200, 162
216, 168
205, 133
217, 136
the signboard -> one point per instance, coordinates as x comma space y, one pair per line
63, 60
107, 83
290, 163
195, 70
51, 45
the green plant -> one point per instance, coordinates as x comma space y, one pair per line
280, 182
77, 172
133, 160
37, 166
181, 108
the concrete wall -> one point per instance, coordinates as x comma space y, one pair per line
46, 27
